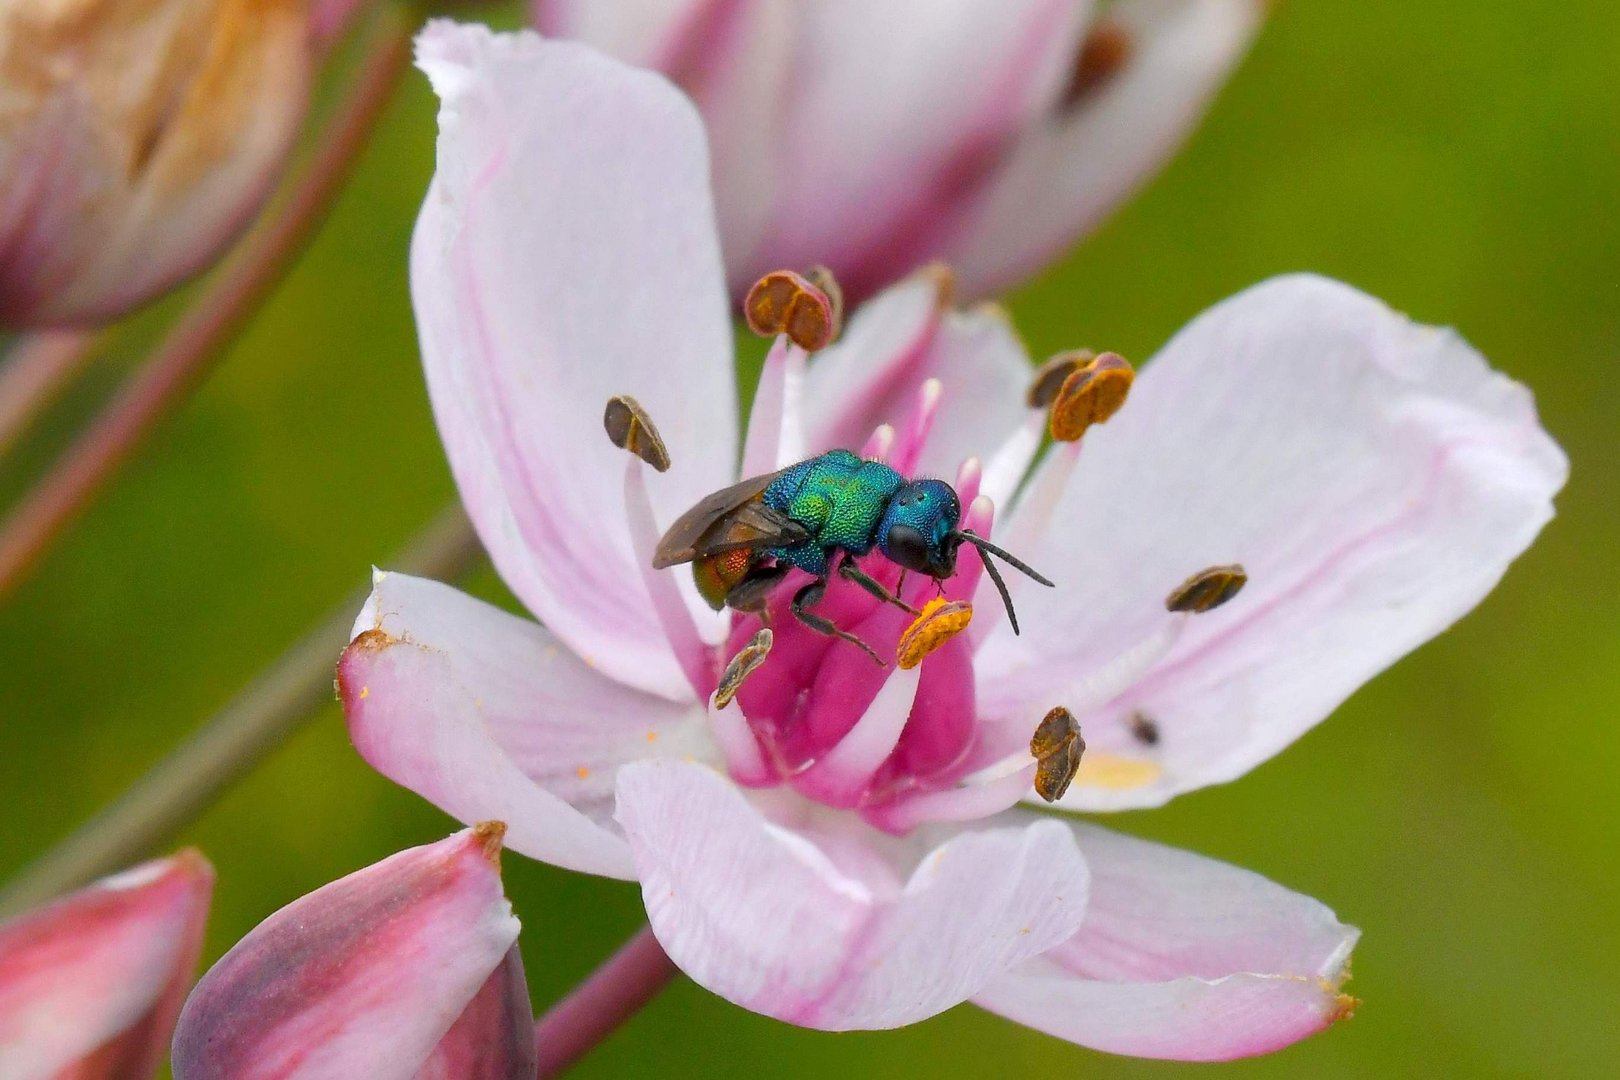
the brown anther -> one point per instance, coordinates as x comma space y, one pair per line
630, 428
1105, 51
489, 835
822, 278
1091, 394
1050, 376
1144, 728
938, 622
1056, 747
783, 302
1207, 589
742, 665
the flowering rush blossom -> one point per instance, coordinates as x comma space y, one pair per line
90, 985
136, 141
844, 846
872, 138
406, 970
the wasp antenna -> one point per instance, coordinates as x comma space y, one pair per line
1001, 587
1001, 553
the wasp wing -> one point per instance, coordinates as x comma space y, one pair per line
731, 519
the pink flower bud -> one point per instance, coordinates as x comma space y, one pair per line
406, 969
90, 985
136, 140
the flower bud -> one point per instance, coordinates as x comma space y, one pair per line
136, 140
90, 985
407, 968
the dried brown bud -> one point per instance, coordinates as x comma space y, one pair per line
136, 140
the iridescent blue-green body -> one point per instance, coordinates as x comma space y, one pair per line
743, 540
839, 498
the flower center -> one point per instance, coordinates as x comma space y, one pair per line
843, 674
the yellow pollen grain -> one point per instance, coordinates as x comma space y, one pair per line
1117, 773
1091, 394
365, 692
652, 736
939, 621
582, 772
1344, 1008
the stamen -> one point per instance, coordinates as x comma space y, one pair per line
1105, 51
630, 428
783, 302
968, 476
1207, 589
1005, 468
1143, 728
1056, 746
674, 614
775, 423
843, 775
1091, 394
940, 621
909, 447
822, 278
745, 663
1050, 377
879, 444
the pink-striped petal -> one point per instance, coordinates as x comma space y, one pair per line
905, 336
566, 253
897, 112
493, 1038
1374, 476
1065, 175
1183, 957
825, 937
487, 715
90, 985
367, 976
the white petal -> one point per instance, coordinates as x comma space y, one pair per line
488, 716
566, 253
768, 919
1183, 957
1374, 476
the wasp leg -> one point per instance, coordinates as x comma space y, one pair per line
811, 595
749, 594
850, 572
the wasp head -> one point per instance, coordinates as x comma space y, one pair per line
918, 530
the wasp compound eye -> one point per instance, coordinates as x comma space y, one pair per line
908, 547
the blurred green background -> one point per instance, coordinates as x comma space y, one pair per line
1458, 159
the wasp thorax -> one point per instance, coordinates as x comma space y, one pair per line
807, 310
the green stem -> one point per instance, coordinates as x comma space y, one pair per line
37, 369
230, 298
259, 719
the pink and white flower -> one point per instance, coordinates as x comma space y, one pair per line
405, 970
844, 847
873, 138
90, 985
